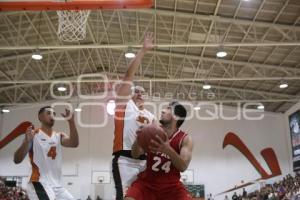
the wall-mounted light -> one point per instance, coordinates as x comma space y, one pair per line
261, 107
5, 110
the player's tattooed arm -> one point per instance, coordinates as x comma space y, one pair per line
25, 146
180, 161
125, 88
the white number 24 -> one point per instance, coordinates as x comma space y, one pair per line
165, 167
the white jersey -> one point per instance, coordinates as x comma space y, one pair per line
128, 119
46, 158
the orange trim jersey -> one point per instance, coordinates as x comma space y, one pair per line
128, 118
46, 158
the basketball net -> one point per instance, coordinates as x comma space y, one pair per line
72, 25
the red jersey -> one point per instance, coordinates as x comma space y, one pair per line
160, 169
160, 180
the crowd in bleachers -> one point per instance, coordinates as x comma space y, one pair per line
286, 189
11, 193
17, 193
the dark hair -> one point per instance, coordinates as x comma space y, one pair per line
180, 111
43, 109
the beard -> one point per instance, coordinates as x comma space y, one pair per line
164, 122
50, 123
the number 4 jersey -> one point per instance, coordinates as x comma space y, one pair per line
46, 158
160, 169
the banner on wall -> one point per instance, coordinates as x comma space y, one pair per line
294, 124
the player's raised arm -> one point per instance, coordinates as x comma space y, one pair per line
72, 140
125, 88
25, 146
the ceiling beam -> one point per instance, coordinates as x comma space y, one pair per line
124, 46
208, 79
186, 82
191, 15
76, 101
180, 55
217, 18
233, 62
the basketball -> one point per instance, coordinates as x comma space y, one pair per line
148, 133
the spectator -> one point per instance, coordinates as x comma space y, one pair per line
244, 193
286, 189
98, 198
210, 197
234, 196
11, 193
240, 197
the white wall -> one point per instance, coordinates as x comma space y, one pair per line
221, 169
214, 167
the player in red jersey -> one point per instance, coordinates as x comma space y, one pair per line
161, 179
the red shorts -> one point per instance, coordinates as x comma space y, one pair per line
141, 190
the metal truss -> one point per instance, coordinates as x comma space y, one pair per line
184, 57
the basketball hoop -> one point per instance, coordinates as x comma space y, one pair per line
72, 25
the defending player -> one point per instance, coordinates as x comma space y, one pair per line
129, 116
45, 152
